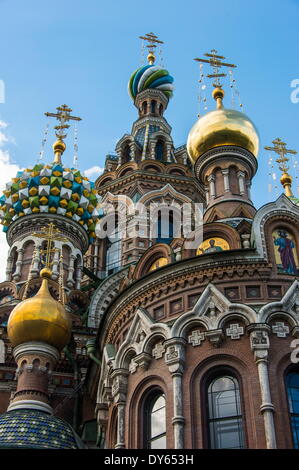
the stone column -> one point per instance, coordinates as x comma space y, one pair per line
17, 274
248, 186
70, 278
119, 393
78, 276
36, 260
8, 271
132, 151
225, 174
55, 268
175, 359
168, 152
211, 180
241, 179
207, 194
259, 341
152, 150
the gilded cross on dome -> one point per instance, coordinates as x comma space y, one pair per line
152, 41
63, 116
282, 151
215, 62
49, 233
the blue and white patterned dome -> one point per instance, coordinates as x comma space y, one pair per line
35, 429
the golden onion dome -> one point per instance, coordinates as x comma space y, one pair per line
40, 318
222, 127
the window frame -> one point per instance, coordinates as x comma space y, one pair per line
291, 370
209, 377
148, 403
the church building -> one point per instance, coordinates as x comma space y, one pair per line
157, 307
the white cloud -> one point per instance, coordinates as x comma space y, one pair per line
94, 172
8, 170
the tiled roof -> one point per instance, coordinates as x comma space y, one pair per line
26, 428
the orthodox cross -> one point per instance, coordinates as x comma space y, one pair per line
152, 41
49, 234
63, 116
281, 150
215, 62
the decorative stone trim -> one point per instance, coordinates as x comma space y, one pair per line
196, 338
235, 331
280, 329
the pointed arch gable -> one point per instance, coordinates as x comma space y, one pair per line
212, 309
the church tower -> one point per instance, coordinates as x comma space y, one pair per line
48, 212
223, 146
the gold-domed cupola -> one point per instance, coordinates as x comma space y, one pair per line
222, 127
223, 146
40, 318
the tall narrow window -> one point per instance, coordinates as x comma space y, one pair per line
159, 150
155, 421
165, 226
225, 420
113, 254
292, 384
153, 106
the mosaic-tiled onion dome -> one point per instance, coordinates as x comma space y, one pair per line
50, 189
26, 428
150, 76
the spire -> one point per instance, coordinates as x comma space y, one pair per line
215, 62
152, 41
63, 116
281, 150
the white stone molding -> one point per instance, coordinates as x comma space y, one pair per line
259, 341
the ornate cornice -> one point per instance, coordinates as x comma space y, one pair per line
182, 272
148, 176
222, 153
28, 224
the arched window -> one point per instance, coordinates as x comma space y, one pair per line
161, 109
159, 151
153, 106
113, 253
126, 153
165, 226
292, 386
144, 107
224, 415
155, 421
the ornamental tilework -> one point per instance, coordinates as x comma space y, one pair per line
53, 189
35, 429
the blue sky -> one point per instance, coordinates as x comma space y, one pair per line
82, 53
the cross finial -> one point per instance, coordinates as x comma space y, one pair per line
152, 41
49, 233
215, 61
63, 116
282, 151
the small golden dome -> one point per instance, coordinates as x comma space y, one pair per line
59, 146
40, 318
286, 179
222, 127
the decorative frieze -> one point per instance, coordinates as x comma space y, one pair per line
158, 350
235, 331
280, 329
196, 338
